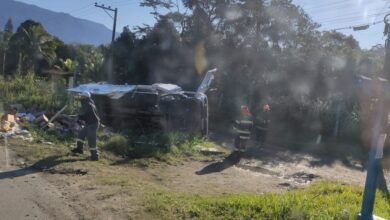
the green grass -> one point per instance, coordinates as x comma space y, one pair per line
117, 148
53, 136
319, 201
33, 92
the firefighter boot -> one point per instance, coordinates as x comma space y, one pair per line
78, 149
94, 155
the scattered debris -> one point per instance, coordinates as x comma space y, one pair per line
41, 120
208, 150
49, 123
27, 117
285, 184
13, 124
303, 177
17, 132
66, 171
257, 169
8, 122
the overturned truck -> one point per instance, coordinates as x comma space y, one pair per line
143, 108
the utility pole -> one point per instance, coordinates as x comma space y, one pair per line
387, 46
110, 76
374, 168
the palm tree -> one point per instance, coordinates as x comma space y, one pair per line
31, 45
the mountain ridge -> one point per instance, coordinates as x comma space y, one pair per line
66, 27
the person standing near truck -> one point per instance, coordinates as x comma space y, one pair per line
90, 118
243, 128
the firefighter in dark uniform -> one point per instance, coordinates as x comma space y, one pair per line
243, 128
90, 118
261, 124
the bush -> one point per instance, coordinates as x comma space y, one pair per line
155, 145
118, 144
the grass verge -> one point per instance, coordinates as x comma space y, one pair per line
319, 201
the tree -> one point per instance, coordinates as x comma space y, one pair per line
87, 60
126, 59
31, 48
169, 61
8, 30
266, 50
156, 5
3, 49
5, 37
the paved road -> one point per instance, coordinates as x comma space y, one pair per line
25, 194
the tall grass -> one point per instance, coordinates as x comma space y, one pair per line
34, 92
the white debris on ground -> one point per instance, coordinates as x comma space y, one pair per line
26, 116
13, 124
18, 133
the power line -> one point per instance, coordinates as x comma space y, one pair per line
352, 17
336, 5
82, 8
324, 5
385, 6
358, 27
356, 12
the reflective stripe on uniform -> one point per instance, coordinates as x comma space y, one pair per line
243, 132
93, 149
246, 122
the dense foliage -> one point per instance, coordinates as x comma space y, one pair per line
266, 52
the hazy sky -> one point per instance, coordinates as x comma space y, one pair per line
331, 14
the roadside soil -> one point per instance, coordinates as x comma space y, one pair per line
75, 188
26, 194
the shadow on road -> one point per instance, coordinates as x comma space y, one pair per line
17, 173
43, 165
229, 161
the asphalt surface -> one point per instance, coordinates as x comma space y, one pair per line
26, 194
